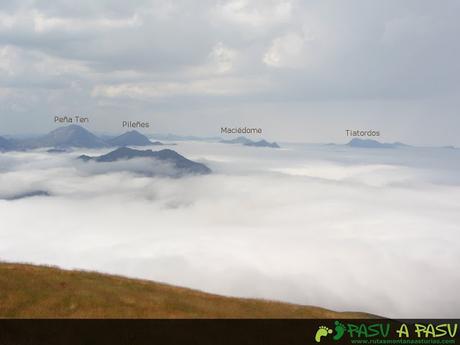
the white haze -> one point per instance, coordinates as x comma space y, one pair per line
346, 229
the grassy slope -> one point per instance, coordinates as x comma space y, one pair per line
38, 291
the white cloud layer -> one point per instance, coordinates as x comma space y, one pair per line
346, 229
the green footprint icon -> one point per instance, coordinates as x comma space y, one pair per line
339, 330
322, 331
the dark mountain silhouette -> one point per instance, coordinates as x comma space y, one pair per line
132, 138
64, 137
374, 144
248, 142
6, 145
181, 164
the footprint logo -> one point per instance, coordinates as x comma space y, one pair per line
339, 330
322, 331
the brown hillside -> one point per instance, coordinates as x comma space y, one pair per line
40, 291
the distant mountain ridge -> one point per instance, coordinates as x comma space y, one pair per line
179, 162
75, 136
63, 138
239, 140
374, 144
248, 142
263, 143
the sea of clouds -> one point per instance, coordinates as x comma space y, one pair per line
346, 229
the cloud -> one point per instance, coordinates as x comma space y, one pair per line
255, 13
148, 91
43, 23
345, 229
222, 57
295, 56
286, 51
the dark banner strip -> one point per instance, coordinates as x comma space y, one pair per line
222, 332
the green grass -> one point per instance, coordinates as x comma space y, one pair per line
28, 291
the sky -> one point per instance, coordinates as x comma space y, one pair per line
342, 228
303, 71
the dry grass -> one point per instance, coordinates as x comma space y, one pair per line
38, 291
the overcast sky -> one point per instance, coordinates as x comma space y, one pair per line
300, 70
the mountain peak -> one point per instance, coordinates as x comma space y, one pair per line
131, 138
248, 142
180, 164
69, 129
70, 136
262, 143
238, 140
374, 144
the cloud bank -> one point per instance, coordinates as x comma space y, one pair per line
346, 229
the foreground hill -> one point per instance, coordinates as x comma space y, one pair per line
39, 291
